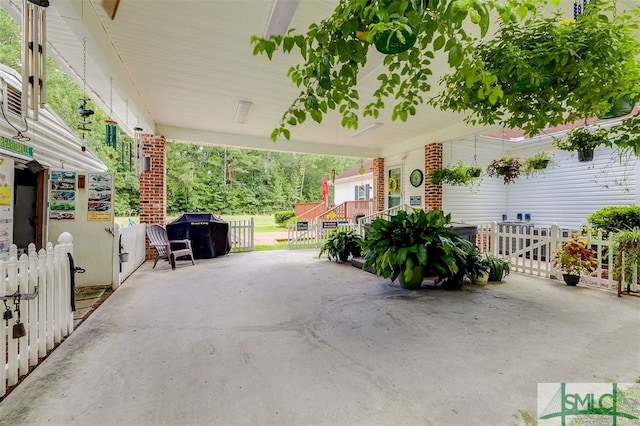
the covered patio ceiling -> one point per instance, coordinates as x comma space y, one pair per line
179, 68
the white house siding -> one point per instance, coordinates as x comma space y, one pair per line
568, 193
565, 194
483, 202
344, 189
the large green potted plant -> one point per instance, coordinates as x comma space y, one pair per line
543, 73
334, 50
410, 246
340, 244
573, 258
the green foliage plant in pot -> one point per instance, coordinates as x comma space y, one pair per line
498, 268
537, 163
458, 174
543, 73
573, 258
335, 50
626, 255
507, 168
340, 244
584, 141
410, 246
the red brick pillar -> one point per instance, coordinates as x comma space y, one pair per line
153, 185
378, 184
432, 160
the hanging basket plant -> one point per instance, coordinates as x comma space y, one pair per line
336, 49
543, 73
583, 140
458, 174
619, 107
537, 163
507, 168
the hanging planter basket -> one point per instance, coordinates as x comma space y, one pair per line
585, 155
530, 86
619, 108
393, 42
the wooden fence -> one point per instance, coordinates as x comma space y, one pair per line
36, 290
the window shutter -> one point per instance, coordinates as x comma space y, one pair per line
367, 192
355, 196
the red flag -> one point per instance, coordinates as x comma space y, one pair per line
325, 190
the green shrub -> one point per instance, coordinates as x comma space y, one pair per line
615, 218
282, 217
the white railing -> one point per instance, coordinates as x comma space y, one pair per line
384, 214
530, 251
43, 282
313, 234
132, 242
242, 234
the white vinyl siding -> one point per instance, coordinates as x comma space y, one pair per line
565, 194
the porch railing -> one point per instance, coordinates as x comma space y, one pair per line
530, 251
36, 288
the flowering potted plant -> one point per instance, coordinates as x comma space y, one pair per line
575, 257
508, 168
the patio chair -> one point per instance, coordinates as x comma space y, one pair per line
166, 249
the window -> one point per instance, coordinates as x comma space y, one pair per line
362, 192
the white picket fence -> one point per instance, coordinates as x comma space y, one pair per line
530, 251
43, 281
242, 235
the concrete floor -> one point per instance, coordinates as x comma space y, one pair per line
285, 338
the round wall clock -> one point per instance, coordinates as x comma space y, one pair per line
416, 177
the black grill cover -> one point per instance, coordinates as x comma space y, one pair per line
209, 234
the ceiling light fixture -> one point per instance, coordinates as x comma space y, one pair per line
241, 111
281, 15
366, 130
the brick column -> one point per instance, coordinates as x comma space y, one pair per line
378, 184
432, 160
153, 185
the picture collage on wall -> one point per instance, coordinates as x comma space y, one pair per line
100, 197
62, 195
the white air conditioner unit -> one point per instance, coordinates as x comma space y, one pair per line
11, 103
